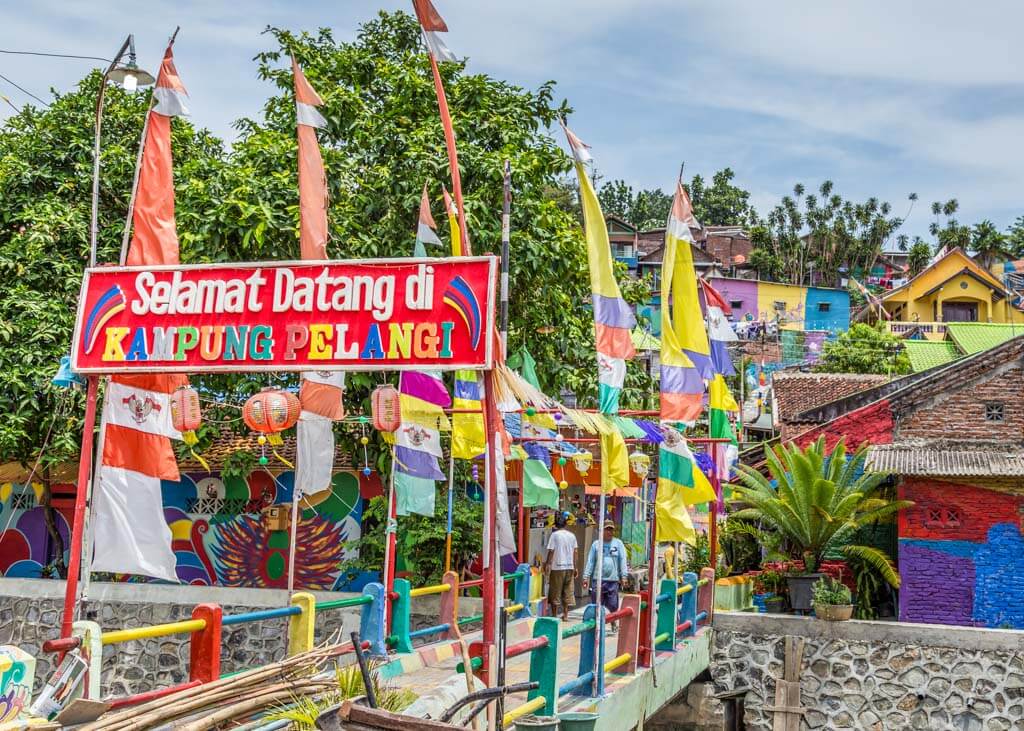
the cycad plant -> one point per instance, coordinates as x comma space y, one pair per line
819, 502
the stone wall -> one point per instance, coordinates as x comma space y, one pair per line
31, 610
875, 675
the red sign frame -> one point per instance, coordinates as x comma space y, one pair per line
348, 315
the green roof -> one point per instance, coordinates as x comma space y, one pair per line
643, 340
974, 337
925, 354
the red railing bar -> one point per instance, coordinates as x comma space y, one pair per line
618, 614
684, 626
521, 648
64, 644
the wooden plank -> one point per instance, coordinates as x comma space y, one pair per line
81, 710
377, 718
794, 658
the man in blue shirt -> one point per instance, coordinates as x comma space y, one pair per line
613, 569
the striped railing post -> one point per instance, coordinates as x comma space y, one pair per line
371, 620
204, 653
629, 634
688, 605
521, 590
544, 663
301, 626
665, 614
401, 610
92, 648
449, 613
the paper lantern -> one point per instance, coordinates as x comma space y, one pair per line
186, 414
640, 463
271, 411
386, 407
581, 461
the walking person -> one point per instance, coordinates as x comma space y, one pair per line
614, 569
560, 568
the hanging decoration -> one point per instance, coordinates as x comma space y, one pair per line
271, 411
582, 460
386, 408
640, 463
364, 440
186, 416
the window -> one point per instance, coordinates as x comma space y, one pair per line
824, 306
736, 304
780, 305
941, 517
993, 412
23, 500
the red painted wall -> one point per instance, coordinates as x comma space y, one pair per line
978, 510
872, 423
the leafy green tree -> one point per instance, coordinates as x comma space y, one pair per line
819, 501
721, 203
644, 209
988, 243
764, 257
918, 256
1015, 238
864, 349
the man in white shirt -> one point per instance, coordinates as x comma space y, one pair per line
560, 567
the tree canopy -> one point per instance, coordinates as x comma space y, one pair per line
864, 349
383, 142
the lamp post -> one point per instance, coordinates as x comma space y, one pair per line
131, 77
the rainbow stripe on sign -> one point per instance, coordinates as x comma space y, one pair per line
106, 307
461, 296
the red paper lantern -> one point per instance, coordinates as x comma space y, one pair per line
386, 408
186, 414
271, 411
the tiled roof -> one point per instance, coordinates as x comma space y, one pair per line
643, 340
798, 392
217, 453
942, 458
925, 354
974, 337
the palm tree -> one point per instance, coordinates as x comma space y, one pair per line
988, 242
820, 502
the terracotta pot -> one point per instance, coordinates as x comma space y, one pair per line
833, 612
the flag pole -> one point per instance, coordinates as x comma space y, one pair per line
506, 209
294, 530
451, 507
453, 155
78, 523
390, 530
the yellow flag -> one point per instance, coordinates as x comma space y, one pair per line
614, 461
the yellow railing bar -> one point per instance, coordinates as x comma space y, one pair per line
683, 589
425, 590
187, 626
529, 707
513, 608
617, 661
702, 582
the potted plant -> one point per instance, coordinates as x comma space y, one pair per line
817, 503
832, 600
773, 586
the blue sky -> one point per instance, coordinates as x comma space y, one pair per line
881, 98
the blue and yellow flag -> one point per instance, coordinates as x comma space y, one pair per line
613, 318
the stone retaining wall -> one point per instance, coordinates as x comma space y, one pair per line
31, 610
875, 675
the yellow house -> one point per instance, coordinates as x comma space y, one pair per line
952, 289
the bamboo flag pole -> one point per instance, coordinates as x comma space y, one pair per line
506, 211
294, 531
451, 507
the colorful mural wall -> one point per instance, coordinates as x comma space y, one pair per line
804, 308
961, 555
226, 531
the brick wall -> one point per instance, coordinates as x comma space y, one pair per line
961, 555
872, 424
960, 414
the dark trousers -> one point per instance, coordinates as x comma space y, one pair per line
609, 594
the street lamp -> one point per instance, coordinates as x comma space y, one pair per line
131, 77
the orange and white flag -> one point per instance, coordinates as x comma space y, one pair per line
320, 392
312, 180
130, 534
433, 26
426, 228
155, 239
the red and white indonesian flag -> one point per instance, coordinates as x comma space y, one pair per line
130, 533
320, 392
312, 180
433, 26
156, 236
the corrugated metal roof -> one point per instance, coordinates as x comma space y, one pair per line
925, 354
974, 337
943, 459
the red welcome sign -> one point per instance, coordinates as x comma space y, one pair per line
387, 314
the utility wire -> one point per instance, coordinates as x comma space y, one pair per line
53, 55
24, 90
